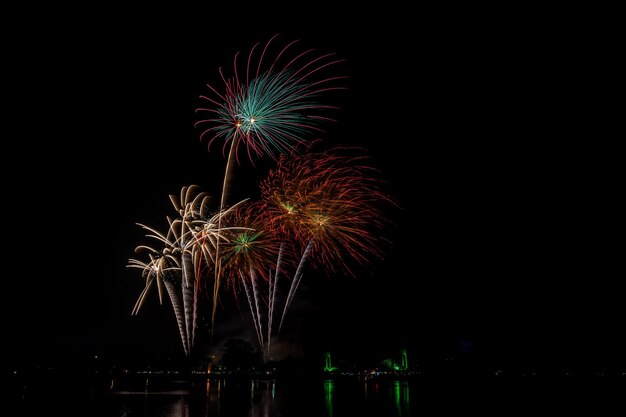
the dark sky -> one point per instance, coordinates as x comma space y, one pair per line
482, 127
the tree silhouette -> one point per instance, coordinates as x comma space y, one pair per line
239, 355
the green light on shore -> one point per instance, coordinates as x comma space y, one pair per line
404, 361
328, 366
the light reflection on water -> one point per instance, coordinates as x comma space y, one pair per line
267, 398
129, 397
224, 398
329, 388
401, 397
261, 398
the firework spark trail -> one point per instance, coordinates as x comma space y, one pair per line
255, 291
188, 292
217, 277
270, 312
196, 291
175, 298
141, 298
249, 298
294, 283
147, 273
272, 297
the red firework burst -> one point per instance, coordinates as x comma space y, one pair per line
329, 200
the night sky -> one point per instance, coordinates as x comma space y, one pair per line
504, 246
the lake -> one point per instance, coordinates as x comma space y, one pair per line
300, 397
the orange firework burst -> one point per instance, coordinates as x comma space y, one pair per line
330, 200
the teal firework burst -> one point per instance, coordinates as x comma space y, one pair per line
274, 108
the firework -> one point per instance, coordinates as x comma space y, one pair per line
248, 255
270, 105
330, 204
247, 243
186, 253
164, 268
317, 209
332, 199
